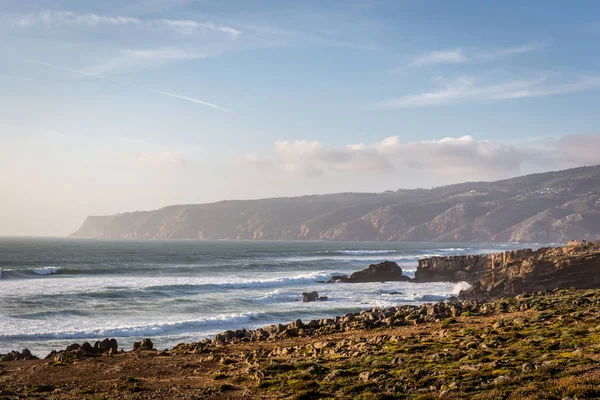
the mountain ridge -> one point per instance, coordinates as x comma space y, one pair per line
552, 206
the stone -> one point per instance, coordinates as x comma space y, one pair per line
382, 272
365, 376
145, 344
73, 347
527, 367
17, 356
310, 296
297, 324
501, 379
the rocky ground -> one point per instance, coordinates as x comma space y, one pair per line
543, 346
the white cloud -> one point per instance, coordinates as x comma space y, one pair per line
451, 158
439, 57
458, 55
311, 158
467, 88
523, 49
62, 18
144, 57
188, 27
254, 160
70, 18
567, 151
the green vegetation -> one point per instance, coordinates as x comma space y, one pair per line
544, 346
505, 353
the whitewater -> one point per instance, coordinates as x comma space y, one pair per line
54, 292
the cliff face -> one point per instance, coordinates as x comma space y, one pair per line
467, 268
576, 265
549, 207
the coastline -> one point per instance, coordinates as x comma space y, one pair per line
522, 345
497, 344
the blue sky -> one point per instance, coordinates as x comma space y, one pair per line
116, 106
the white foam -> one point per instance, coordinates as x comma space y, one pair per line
367, 251
95, 284
49, 270
460, 286
114, 328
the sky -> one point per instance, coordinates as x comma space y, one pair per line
122, 105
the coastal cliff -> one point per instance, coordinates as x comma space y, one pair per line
548, 207
515, 272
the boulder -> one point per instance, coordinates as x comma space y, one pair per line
383, 272
17, 356
310, 296
105, 346
145, 344
85, 350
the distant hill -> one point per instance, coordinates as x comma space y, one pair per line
548, 207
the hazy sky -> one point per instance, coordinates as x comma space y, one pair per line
113, 106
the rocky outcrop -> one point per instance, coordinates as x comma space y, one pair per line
17, 356
465, 268
383, 272
310, 296
145, 344
85, 350
521, 271
576, 265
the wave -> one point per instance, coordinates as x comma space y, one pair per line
203, 326
460, 286
452, 249
49, 270
10, 273
430, 298
245, 283
359, 252
155, 329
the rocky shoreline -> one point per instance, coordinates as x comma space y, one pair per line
499, 274
482, 343
543, 345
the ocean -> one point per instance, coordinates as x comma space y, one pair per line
54, 292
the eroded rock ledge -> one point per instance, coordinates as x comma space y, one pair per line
520, 271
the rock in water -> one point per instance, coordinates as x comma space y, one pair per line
383, 272
310, 296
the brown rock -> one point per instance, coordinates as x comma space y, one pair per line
516, 272
383, 272
145, 344
310, 296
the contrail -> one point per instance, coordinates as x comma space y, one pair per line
177, 96
193, 100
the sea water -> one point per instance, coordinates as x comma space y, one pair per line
54, 292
